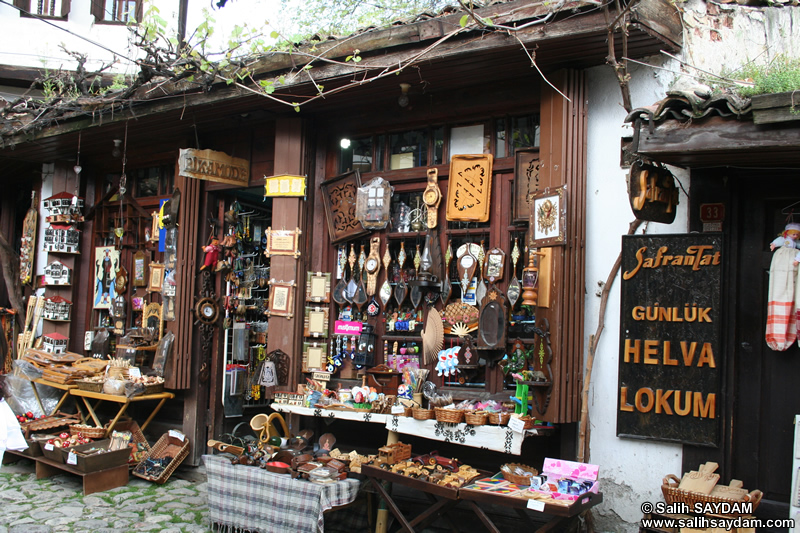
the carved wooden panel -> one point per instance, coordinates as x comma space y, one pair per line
339, 198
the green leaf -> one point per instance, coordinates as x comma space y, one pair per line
274, 35
463, 21
297, 108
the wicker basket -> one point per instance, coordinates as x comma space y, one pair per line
499, 419
527, 422
154, 388
672, 494
450, 416
167, 446
517, 478
118, 372
90, 432
476, 418
91, 386
422, 414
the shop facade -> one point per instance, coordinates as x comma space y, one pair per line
479, 98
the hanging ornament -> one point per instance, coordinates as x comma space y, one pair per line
514, 288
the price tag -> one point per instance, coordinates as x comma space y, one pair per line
177, 434
49, 446
398, 410
72, 459
516, 424
134, 372
536, 505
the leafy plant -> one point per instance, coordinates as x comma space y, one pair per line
780, 75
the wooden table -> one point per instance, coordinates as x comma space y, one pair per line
444, 499
64, 387
124, 402
98, 481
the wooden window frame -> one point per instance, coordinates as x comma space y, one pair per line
99, 12
25, 7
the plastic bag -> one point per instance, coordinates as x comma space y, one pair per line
114, 386
133, 389
31, 371
20, 397
163, 353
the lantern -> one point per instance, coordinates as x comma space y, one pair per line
365, 352
530, 280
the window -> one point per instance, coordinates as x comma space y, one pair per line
124, 11
45, 8
152, 181
408, 150
515, 132
356, 154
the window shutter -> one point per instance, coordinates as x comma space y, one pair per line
98, 10
65, 7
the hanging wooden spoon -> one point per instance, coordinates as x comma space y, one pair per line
416, 290
401, 289
360, 296
480, 290
447, 287
514, 288
339, 290
352, 286
385, 291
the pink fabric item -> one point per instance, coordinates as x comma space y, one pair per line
781, 311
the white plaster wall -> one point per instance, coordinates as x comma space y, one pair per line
718, 38
631, 470
26, 41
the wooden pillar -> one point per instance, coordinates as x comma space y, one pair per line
287, 213
563, 162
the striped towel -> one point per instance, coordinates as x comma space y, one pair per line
781, 310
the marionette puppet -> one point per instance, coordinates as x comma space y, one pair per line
212, 251
781, 301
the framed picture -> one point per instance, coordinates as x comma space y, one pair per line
315, 356
281, 298
339, 198
548, 219
316, 322
469, 188
106, 263
283, 242
318, 287
139, 269
137, 303
156, 281
526, 181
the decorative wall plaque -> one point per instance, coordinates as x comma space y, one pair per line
469, 188
526, 181
339, 199
548, 225
281, 298
106, 262
283, 242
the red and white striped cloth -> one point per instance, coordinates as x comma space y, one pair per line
781, 307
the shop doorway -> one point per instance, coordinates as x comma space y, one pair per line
764, 382
246, 291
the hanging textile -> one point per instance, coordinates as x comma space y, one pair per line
781, 310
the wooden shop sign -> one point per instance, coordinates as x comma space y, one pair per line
213, 166
670, 359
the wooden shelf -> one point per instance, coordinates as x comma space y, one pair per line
55, 320
406, 235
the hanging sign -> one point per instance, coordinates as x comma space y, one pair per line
210, 165
284, 185
670, 355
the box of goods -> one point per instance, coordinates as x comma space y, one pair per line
565, 480
95, 456
164, 457
33, 449
702, 487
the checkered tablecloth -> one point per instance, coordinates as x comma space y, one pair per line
248, 498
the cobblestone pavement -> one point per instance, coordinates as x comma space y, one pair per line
57, 504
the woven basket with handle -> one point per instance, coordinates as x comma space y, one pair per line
672, 494
450, 416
